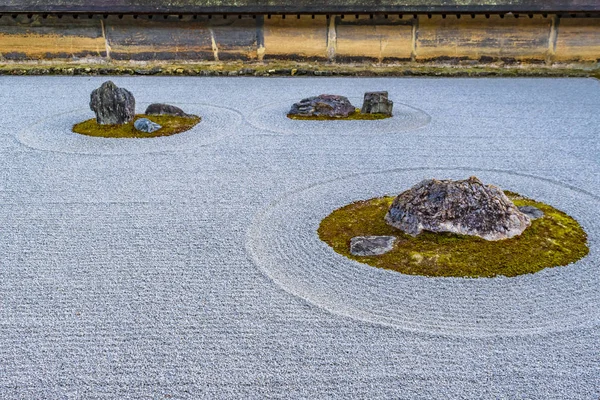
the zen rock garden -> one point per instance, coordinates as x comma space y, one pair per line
455, 228
115, 116
376, 105
461, 228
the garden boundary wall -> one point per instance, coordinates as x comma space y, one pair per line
518, 31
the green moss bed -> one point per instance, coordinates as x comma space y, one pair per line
171, 125
556, 239
355, 116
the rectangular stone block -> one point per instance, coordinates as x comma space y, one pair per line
578, 39
38, 38
521, 38
293, 38
377, 39
188, 38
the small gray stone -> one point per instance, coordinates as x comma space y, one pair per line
112, 105
327, 105
371, 245
377, 103
145, 125
165, 109
532, 212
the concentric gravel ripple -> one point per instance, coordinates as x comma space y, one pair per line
55, 133
273, 118
284, 244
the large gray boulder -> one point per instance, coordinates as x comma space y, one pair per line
466, 207
325, 105
165, 109
377, 103
112, 105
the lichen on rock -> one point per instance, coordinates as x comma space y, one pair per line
466, 207
325, 105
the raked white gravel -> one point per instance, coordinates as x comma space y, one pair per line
189, 267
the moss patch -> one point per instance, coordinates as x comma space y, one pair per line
556, 239
297, 68
355, 116
171, 125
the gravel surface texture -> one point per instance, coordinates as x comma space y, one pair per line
189, 267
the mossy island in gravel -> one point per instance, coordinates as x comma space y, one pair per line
355, 116
555, 239
115, 116
171, 125
328, 107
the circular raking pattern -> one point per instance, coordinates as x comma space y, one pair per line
555, 239
55, 133
273, 118
284, 243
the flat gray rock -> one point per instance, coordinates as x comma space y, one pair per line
325, 105
165, 109
532, 212
145, 125
112, 105
371, 245
465, 207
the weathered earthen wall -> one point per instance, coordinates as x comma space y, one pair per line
51, 38
294, 38
577, 39
378, 39
305, 37
473, 38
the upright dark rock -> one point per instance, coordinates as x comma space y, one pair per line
112, 105
325, 105
165, 109
465, 207
377, 103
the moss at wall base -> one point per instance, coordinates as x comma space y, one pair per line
442, 68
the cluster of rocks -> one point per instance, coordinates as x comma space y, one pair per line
334, 106
116, 106
465, 207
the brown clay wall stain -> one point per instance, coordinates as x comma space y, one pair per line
578, 39
23, 38
508, 37
378, 39
173, 38
297, 38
